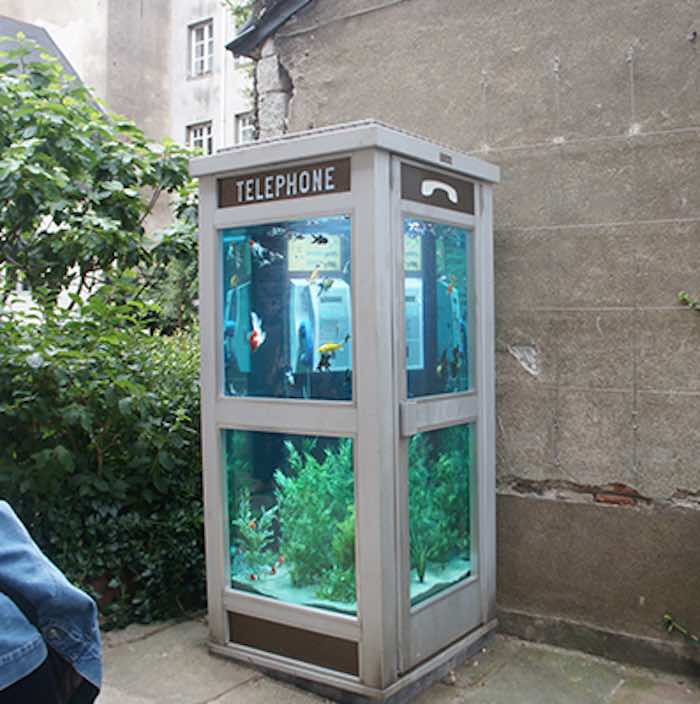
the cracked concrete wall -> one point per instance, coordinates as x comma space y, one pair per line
593, 112
594, 116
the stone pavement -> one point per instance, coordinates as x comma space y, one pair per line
170, 664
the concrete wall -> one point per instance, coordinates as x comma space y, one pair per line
593, 111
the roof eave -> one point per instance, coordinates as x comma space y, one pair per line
254, 33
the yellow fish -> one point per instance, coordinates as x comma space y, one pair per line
330, 347
333, 347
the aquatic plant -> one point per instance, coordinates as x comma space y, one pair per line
438, 517
317, 518
254, 535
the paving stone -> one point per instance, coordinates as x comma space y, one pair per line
173, 665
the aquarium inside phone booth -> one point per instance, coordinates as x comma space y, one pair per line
346, 302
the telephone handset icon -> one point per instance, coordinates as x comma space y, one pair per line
429, 186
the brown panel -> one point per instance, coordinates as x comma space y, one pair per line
435, 188
285, 183
288, 641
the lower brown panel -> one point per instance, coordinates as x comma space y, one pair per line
288, 641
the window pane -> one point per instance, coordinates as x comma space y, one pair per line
439, 470
437, 307
287, 312
291, 507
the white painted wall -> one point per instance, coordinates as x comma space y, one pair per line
218, 96
79, 28
87, 31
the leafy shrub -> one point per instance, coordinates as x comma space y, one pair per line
100, 454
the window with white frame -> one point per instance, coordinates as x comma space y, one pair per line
245, 128
200, 136
201, 48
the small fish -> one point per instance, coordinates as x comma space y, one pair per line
252, 577
262, 255
333, 347
277, 231
289, 377
233, 281
442, 364
319, 239
280, 561
456, 362
257, 336
315, 274
253, 525
325, 362
325, 285
273, 570
293, 235
452, 284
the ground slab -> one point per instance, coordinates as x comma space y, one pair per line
170, 664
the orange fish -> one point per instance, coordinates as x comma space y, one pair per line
253, 525
252, 577
281, 560
273, 570
256, 336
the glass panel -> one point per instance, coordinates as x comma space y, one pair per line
291, 504
439, 469
287, 309
437, 307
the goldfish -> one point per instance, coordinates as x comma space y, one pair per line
252, 577
233, 281
333, 347
253, 525
257, 336
281, 560
315, 274
273, 570
319, 239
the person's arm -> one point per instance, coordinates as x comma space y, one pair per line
66, 616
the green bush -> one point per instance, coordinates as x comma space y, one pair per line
100, 453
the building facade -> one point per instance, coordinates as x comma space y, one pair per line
162, 63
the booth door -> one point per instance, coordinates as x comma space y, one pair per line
439, 418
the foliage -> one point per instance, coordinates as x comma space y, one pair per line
317, 519
438, 489
100, 453
686, 299
241, 10
77, 185
254, 534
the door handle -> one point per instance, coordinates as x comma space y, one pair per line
429, 186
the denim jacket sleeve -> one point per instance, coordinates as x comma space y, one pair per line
66, 616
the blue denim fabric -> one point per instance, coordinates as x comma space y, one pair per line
65, 617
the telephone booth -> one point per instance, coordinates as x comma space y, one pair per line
346, 305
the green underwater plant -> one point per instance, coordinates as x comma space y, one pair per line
254, 535
438, 497
317, 519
